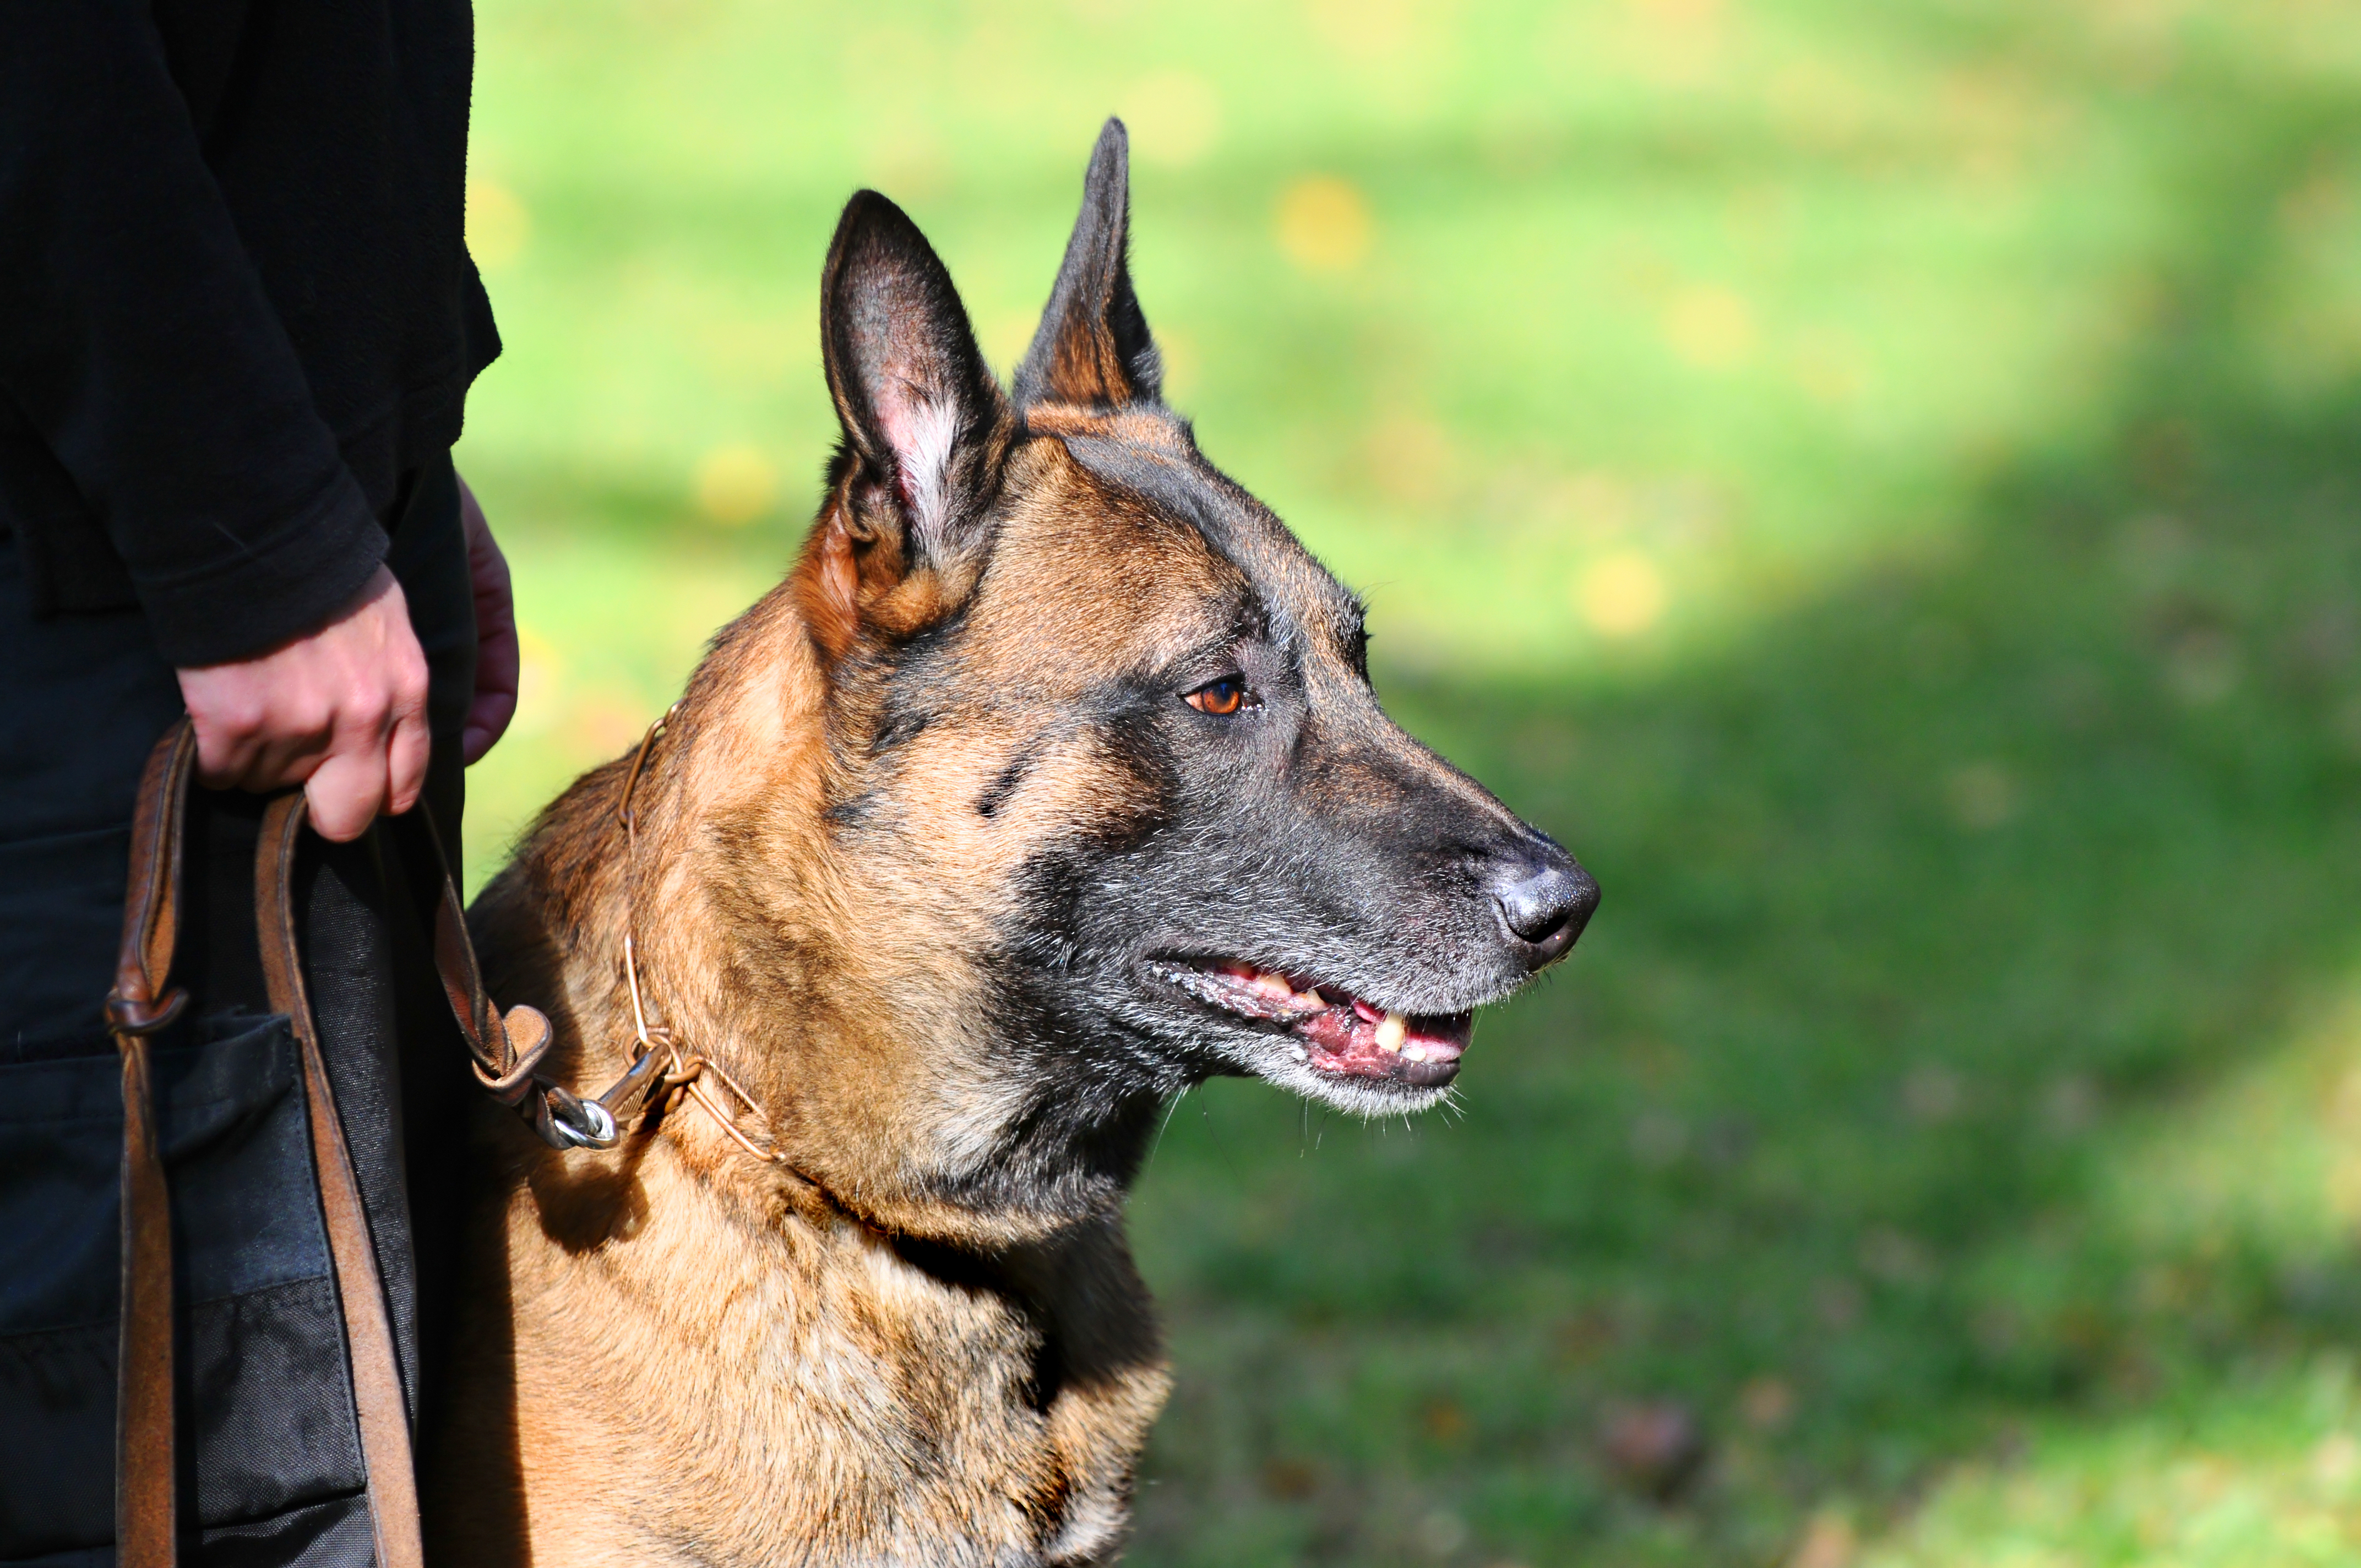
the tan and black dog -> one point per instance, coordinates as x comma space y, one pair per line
1048, 783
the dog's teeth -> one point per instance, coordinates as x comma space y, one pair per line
1273, 985
1415, 1051
1391, 1033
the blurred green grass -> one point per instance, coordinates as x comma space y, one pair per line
1879, 481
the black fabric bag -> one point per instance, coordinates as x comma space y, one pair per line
276, 1472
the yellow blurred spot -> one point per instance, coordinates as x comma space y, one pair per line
1368, 30
1324, 224
736, 484
498, 225
1677, 43
1174, 118
1710, 328
1680, 13
1621, 595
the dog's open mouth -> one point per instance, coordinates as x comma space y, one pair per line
1332, 1030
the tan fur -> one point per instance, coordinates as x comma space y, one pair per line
881, 854
676, 1354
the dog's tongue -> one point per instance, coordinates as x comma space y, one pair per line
1353, 1037
1360, 1041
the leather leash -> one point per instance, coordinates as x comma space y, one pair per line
506, 1057
143, 1002
505, 1053
369, 1328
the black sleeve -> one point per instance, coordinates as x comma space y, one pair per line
136, 338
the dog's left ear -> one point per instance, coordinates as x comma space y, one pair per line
1092, 348
925, 425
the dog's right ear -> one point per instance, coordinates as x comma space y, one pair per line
925, 426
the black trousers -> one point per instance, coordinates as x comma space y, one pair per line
272, 1469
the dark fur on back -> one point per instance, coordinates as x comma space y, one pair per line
960, 857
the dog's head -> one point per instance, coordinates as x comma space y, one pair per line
1102, 733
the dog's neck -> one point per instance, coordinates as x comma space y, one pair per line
839, 998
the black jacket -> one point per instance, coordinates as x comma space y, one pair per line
236, 300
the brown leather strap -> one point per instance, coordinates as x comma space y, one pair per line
146, 1516
507, 1057
463, 983
143, 1000
147, 1532
368, 1325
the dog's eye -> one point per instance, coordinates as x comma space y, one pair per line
1221, 699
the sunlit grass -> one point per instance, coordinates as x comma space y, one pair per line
1880, 481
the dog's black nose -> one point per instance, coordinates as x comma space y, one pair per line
1545, 900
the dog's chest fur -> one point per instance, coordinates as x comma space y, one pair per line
703, 1383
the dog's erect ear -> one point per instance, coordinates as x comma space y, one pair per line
924, 421
1093, 347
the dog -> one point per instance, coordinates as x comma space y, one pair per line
1048, 783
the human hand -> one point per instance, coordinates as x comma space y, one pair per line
495, 635
341, 711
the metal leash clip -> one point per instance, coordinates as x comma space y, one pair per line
577, 1124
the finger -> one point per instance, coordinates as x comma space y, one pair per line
496, 669
407, 750
286, 762
226, 713
226, 754
498, 656
493, 589
488, 720
261, 754
300, 735
346, 793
